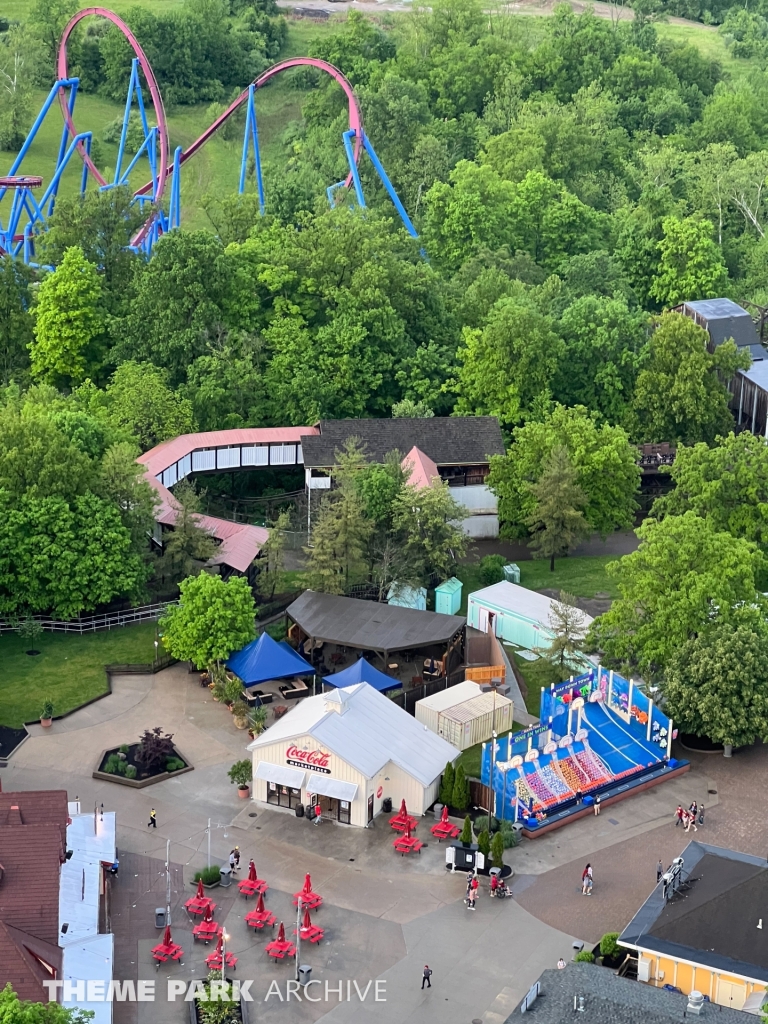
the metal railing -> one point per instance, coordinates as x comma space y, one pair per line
94, 623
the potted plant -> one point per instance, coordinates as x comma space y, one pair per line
233, 689
46, 714
257, 721
241, 773
239, 714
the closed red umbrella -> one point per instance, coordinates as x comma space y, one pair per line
307, 885
444, 815
260, 908
307, 919
403, 809
281, 933
208, 916
167, 939
252, 876
200, 891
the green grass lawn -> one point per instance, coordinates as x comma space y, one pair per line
69, 671
583, 576
470, 758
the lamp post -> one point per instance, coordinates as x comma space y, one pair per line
298, 935
224, 938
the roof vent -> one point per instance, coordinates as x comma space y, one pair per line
695, 1003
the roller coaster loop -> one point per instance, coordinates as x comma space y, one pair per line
28, 215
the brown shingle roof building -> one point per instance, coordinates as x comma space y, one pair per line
32, 849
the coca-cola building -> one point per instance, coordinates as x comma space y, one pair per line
354, 753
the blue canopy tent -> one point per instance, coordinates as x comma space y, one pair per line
363, 672
265, 659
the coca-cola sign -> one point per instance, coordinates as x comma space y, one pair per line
314, 760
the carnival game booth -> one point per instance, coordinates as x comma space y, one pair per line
354, 752
599, 733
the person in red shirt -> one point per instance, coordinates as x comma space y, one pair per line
318, 814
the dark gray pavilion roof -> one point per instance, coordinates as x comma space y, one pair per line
369, 625
714, 921
609, 999
725, 319
447, 440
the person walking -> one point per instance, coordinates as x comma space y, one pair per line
232, 860
701, 815
579, 797
561, 964
152, 823
597, 805
694, 808
659, 871
679, 815
318, 814
237, 858
470, 877
690, 822
586, 874
425, 976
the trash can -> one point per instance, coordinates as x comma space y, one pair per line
305, 974
386, 805
225, 876
299, 809
309, 812
159, 917
438, 811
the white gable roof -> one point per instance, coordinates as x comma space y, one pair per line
372, 731
520, 601
451, 696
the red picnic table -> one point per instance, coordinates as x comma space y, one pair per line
309, 932
252, 884
407, 843
214, 959
280, 947
444, 829
199, 902
308, 898
260, 917
403, 820
167, 949
207, 929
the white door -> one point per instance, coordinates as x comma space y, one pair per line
483, 621
731, 993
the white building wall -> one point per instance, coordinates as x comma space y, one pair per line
391, 781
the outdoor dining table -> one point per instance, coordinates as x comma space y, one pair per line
207, 929
199, 903
252, 884
213, 961
403, 820
260, 917
167, 949
309, 932
280, 947
407, 843
443, 829
308, 898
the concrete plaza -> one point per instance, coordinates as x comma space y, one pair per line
385, 916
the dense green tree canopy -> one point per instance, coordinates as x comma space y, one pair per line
685, 575
211, 621
717, 685
602, 456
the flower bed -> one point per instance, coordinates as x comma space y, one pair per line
153, 759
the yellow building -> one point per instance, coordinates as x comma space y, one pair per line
702, 928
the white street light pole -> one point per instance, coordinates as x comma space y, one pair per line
298, 934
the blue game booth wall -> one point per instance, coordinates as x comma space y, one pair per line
597, 731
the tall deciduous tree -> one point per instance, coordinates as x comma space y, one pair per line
211, 621
67, 320
717, 685
272, 560
508, 365
680, 395
64, 557
22, 1011
140, 401
684, 576
568, 626
690, 266
726, 484
429, 520
20, 59
557, 521
16, 323
605, 461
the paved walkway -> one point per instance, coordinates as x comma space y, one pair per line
386, 916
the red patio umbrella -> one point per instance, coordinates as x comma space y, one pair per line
200, 894
307, 922
307, 885
403, 809
208, 915
252, 876
444, 815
